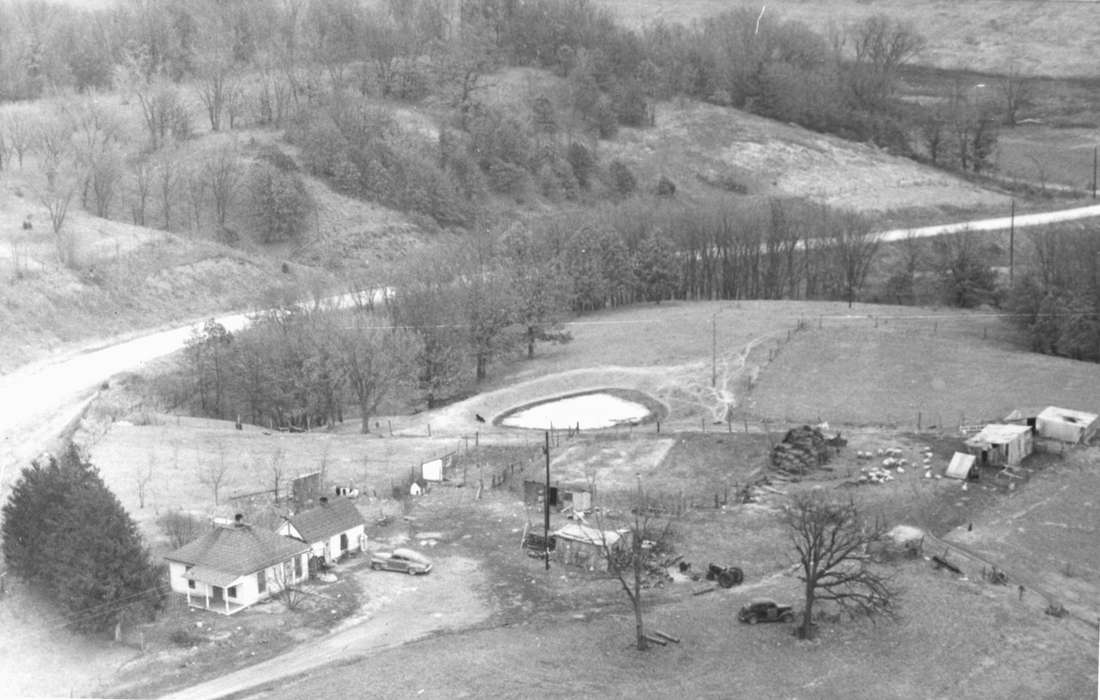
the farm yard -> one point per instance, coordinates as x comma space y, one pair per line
699, 468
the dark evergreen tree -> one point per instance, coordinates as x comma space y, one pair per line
67, 534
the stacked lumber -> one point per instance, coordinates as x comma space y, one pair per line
802, 450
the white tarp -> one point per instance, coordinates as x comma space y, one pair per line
960, 466
1066, 424
433, 470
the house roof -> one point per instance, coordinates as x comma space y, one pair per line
236, 549
588, 535
1068, 415
326, 520
998, 434
960, 465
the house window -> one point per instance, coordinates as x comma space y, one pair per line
344, 542
297, 567
261, 580
191, 583
232, 591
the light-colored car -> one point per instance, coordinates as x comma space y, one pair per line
406, 561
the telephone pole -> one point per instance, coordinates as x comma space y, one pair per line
546, 505
1012, 243
714, 350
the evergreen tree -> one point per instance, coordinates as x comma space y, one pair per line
68, 535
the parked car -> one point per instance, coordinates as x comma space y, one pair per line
765, 610
406, 561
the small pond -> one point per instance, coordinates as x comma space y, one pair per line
590, 411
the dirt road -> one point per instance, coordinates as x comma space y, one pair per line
400, 609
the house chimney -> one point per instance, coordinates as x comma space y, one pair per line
238, 519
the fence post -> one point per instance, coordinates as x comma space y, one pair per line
918, 421
429, 429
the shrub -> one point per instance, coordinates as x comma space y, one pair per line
185, 638
622, 180
665, 187
279, 202
582, 162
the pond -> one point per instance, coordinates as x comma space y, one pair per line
589, 411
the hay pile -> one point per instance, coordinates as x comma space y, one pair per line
803, 449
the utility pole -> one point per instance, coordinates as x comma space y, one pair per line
546, 505
1094, 149
1012, 243
714, 350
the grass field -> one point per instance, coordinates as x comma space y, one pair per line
855, 373
1055, 39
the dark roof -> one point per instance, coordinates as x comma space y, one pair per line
326, 520
237, 549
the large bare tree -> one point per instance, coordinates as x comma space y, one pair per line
830, 538
648, 531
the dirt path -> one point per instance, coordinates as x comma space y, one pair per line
400, 609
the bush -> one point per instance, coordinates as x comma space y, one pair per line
623, 181
185, 638
279, 203
582, 162
665, 187
508, 178
274, 155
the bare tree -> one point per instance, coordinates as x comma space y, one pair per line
223, 174
19, 130
854, 247
830, 538
284, 585
881, 46
648, 532
278, 470
166, 174
212, 473
180, 526
375, 360
56, 197
1017, 93
143, 171
143, 479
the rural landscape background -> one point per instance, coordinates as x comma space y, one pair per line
246, 240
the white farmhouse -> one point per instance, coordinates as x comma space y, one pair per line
332, 530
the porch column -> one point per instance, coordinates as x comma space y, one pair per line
206, 593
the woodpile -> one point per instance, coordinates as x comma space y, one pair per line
802, 450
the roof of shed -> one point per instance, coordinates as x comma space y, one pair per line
327, 520
237, 549
998, 434
588, 535
1068, 415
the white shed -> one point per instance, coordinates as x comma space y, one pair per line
1066, 425
961, 466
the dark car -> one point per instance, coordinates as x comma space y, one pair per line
765, 610
406, 561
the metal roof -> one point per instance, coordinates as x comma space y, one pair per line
998, 434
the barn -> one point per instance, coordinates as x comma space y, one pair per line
1001, 445
1066, 425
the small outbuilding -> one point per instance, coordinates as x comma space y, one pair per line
961, 467
1066, 425
234, 566
584, 546
1001, 445
332, 530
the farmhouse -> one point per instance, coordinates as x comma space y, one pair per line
582, 545
1066, 425
332, 530
1001, 445
234, 566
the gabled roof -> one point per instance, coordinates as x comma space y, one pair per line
237, 549
326, 520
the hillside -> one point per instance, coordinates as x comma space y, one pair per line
1051, 39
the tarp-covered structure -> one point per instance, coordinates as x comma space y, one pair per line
586, 546
961, 466
1001, 445
1066, 425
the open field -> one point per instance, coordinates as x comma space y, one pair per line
1055, 39
856, 373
